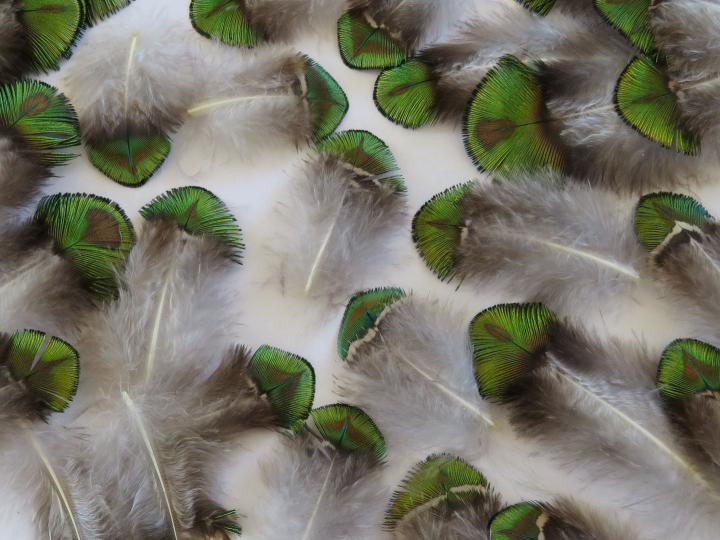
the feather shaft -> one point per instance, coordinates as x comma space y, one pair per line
324, 246
623, 269
157, 323
128, 70
706, 255
321, 495
209, 105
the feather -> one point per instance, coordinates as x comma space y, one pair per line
594, 408
340, 215
164, 373
442, 497
132, 78
247, 100
409, 365
96, 10
326, 483
559, 243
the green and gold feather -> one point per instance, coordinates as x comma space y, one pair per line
525, 521
365, 45
349, 429
225, 20
541, 7
326, 99
131, 159
632, 19
689, 367
407, 94
657, 215
97, 10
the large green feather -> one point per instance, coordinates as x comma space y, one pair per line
645, 101
97, 10
129, 159
541, 7
225, 20
507, 342
199, 212
326, 99
52, 27
407, 94
657, 214
525, 521
349, 429
631, 18
365, 45
688, 367
47, 366
506, 127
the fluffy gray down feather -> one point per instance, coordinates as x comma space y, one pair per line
21, 179
282, 20
569, 519
14, 45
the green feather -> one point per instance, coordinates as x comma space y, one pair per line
47, 366
129, 160
362, 313
440, 479
657, 214
326, 99
366, 153
645, 101
225, 20
407, 94
632, 19
287, 380
507, 341
437, 230
524, 521
227, 522
97, 10
506, 126
688, 367
349, 429
92, 232
41, 117
541, 7
365, 45
198, 212
52, 27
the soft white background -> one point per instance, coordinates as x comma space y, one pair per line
431, 160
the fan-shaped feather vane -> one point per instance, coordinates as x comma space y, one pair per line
96, 10
594, 408
557, 243
326, 484
341, 213
409, 366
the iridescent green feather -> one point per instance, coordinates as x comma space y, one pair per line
645, 101
52, 27
199, 212
657, 214
47, 366
440, 479
688, 367
364, 45
226, 522
41, 117
407, 94
349, 429
437, 230
541, 7
361, 314
97, 10
367, 153
632, 19
92, 232
326, 99
522, 521
506, 126
507, 341
288, 381
225, 20
130, 160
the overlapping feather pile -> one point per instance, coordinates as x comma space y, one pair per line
124, 387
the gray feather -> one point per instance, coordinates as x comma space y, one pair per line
569, 519
14, 44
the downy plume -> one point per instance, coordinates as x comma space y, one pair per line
326, 484
162, 371
594, 408
555, 241
408, 363
340, 216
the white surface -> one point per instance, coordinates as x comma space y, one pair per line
431, 160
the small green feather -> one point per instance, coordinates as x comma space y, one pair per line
688, 367
97, 10
541, 7
440, 479
506, 127
289, 382
47, 366
524, 521
632, 19
361, 314
366, 153
645, 101
657, 214
225, 20
326, 99
41, 117
52, 27
437, 230
349, 429
365, 45
199, 212
92, 232
130, 160
507, 341
407, 94
227, 522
